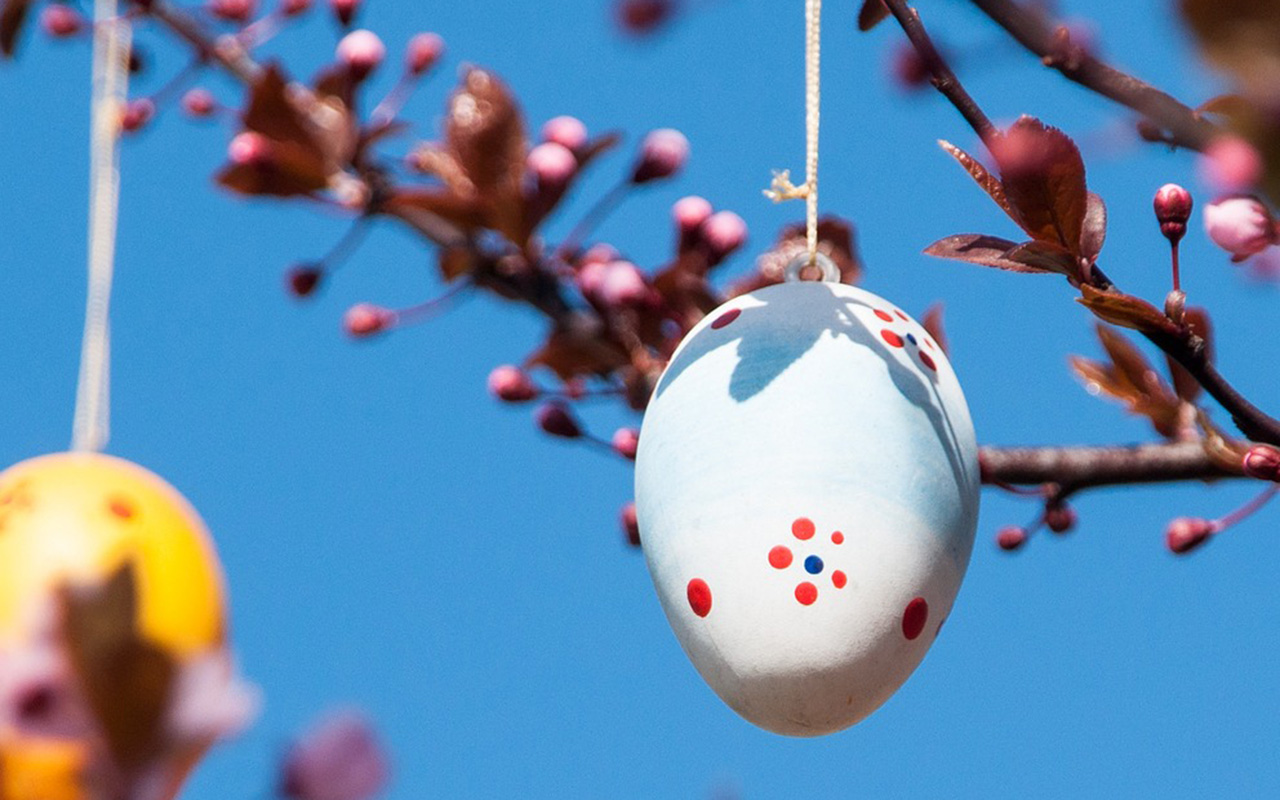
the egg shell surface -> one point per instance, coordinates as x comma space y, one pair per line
807, 492
78, 517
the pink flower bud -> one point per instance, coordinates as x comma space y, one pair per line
303, 279
512, 385
137, 114
1230, 164
362, 51
662, 154
250, 148
339, 759
344, 10
366, 319
600, 254
1240, 225
1185, 534
552, 164
723, 232
1262, 462
233, 10
566, 131
640, 17
630, 524
622, 284
625, 441
556, 420
1059, 517
1011, 537
61, 20
199, 103
423, 53
689, 213
292, 8
1173, 208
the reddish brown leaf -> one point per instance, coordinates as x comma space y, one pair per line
1046, 256
419, 205
571, 353
1241, 37
456, 262
126, 679
1125, 310
932, 323
1129, 377
292, 171
989, 182
978, 248
1231, 106
271, 113
872, 13
484, 132
1095, 228
1043, 178
12, 16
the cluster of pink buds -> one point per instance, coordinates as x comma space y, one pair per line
717, 235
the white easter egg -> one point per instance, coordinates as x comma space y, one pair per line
807, 491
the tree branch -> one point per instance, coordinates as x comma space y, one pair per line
1047, 38
1076, 468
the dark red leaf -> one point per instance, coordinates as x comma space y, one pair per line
1130, 378
1043, 178
989, 182
978, 248
596, 148
12, 16
872, 13
1095, 228
456, 262
1046, 256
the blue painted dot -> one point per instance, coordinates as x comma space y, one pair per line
813, 565
911, 339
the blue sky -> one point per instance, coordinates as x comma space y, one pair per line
395, 539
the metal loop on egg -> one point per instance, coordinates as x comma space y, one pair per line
830, 272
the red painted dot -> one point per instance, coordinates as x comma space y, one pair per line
121, 507
928, 343
927, 361
726, 318
884, 315
839, 579
892, 338
806, 593
780, 557
803, 528
700, 597
914, 618
837, 538
902, 316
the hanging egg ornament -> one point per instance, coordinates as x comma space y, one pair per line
77, 518
807, 492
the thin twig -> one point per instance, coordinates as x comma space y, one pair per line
1045, 37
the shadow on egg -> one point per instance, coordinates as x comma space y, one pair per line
765, 353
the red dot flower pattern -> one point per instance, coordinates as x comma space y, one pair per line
783, 556
906, 340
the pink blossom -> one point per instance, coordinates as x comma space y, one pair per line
1230, 164
662, 154
366, 319
552, 164
362, 51
724, 232
625, 441
1240, 225
424, 51
511, 384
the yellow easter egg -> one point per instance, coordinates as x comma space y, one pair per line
79, 517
